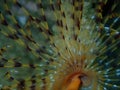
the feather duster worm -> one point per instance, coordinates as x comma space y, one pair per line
59, 45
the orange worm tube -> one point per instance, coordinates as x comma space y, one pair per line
72, 82
75, 84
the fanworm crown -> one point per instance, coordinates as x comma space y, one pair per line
59, 45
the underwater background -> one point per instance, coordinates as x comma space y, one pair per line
43, 41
